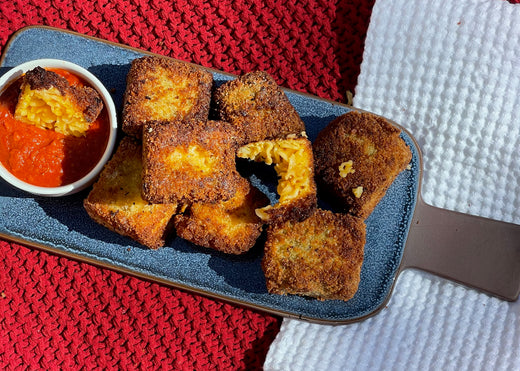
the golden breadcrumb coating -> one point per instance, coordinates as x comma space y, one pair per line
162, 89
229, 226
189, 161
320, 257
255, 103
48, 101
357, 157
115, 200
293, 161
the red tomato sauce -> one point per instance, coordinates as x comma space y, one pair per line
44, 157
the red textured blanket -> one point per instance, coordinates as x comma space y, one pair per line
62, 314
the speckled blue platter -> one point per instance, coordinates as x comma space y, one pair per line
62, 226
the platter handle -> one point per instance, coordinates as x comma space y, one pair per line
474, 251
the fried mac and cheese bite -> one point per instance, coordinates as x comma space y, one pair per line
294, 164
357, 157
320, 257
162, 89
230, 226
189, 162
255, 103
47, 100
115, 200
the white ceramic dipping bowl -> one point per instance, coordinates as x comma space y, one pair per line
14, 73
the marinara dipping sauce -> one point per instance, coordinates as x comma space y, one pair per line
43, 157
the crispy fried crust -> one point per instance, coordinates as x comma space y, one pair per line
297, 209
47, 100
161, 89
230, 226
189, 161
293, 161
115, 200
255, 103
320, 257
377, 152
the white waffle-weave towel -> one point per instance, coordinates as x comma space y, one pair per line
449, 72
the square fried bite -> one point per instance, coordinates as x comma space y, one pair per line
320, 257
357, 157
189, 161
115, 200
294, 164
162, 89
255, 103
228, 226
47, 100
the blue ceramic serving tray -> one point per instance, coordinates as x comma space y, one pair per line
62, 226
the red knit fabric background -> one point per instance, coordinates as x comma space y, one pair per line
57, 313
